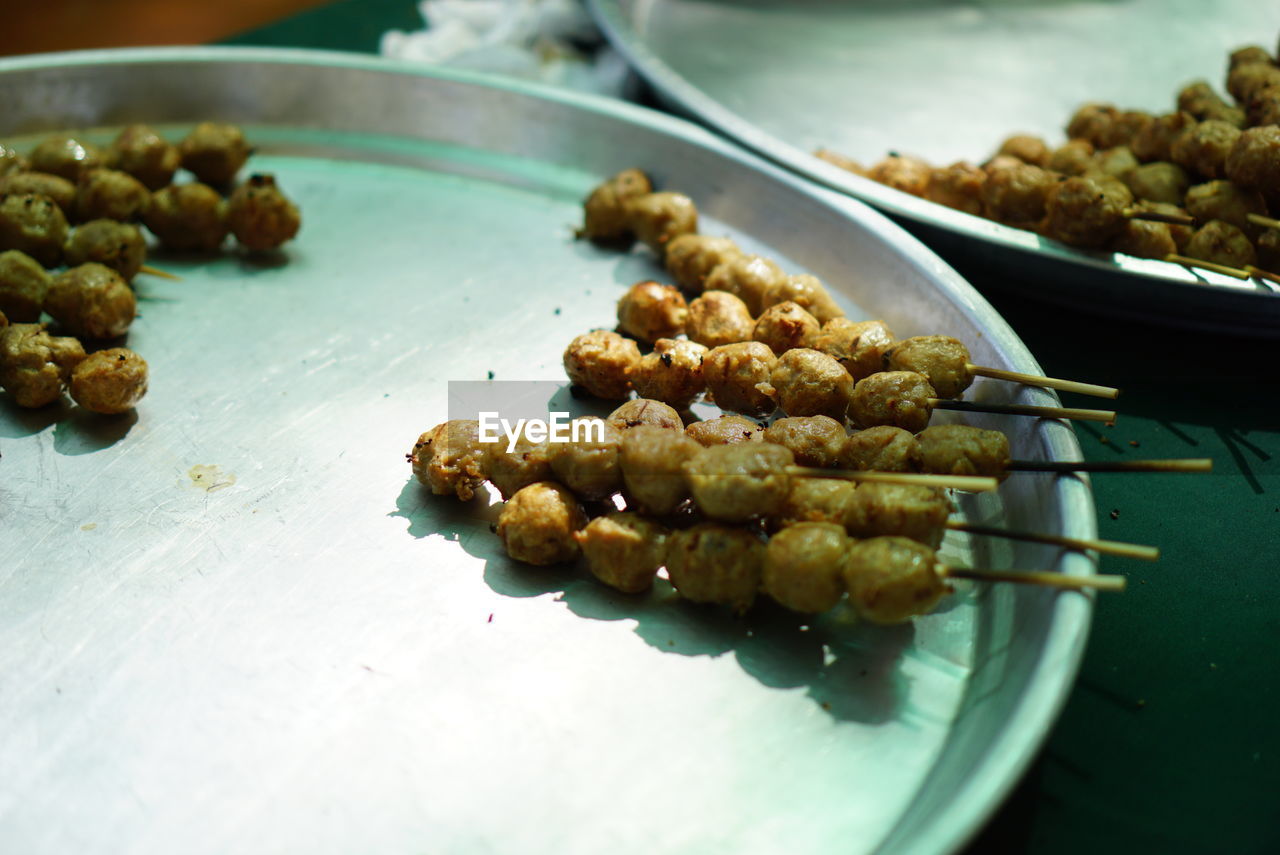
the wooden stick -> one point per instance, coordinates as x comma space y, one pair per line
156, 271
1207, 265
1106, 547
968, 483
1259, 220
1047, 382
1157, 217
1184, 464
1035, 577
1262, 274
1025, 410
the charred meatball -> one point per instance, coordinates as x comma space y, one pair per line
803, 566
650, 311
117, 245
810, 383
188, 217
785, 326
605, 210
713, 563
725, 430
599, 361
892, 579
690, 259
624, 550
899, 398
671, 373
34, 365
214, 152
144, 154
717, 318
738, 377
538, 525
260, 216
23, 285
449, 458
33, 224
91, 301
812, 440
652, 461
110, 381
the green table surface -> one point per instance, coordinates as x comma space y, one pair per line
1169, 741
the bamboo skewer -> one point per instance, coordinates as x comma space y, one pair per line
1035, 577
1106, 547
1025, 410
1048, 382
1156, 217
1208, 265
968, 483
155, 271
1184, 464
1259, 220
1262, 274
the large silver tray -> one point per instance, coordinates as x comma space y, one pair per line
233, 623
948, 81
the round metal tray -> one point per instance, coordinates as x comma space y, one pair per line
949, 81
233, 621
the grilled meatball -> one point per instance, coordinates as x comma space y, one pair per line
260, 216
652, 459
812, 440
599, 362
538, 525
905, 173
1159, 182
1180, 234
857, 345
905, 510
1199, 99
941, 358
91, 301
748, 277
718, 317
738, 376
108, 194
808, 382
883, 448
1074, 157
1254, 160
739, 482
33, 224
671, 373
713, 563
110, 381
144, 154
802, 566
57, 188
785, 326
957, 186
624, 550
1245, 81
649, 311
1205, 147
898, 398
188, 217
659, 218
1016, 196
1026, 148
814, 500
65, 157
34, 365
892, 579
806, 291
691, 258
1155, 142
1221, 243
449, 458
1087, 212
644, 412
589, 464
526, 463
1223, 200
725, 430
117, 245
214, 152
605, 218
1093, 122
23, 285
964, 450
1145, 239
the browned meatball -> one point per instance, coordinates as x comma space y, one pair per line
748, 277
110, 195
941, 358
740, 482
117, 245
57, 188
645, 412
892, 580
806, 291
1145, 239
725, 430
815, 500
1221, 243
144, 154
691, 258
33, 224
905, 173
1116, 162
1264, 106
1244, 81
1016, 196
659, 218
1001, 161
538, 525
34, 365
23, 285
883, 448
599, 361
214, 152
957, 186
718, 317
624, 550
652, 460
785, 326
65, 157
906, 510
1199, 99
509, 467
803, 564
964, 450
605, 218
188, 217
1155, 142
110, 381
449, 458
1026, 148
1074, 157
1159, 182
671, 373
650, 311
588, 465
11, 161
1125, 128
812, 440
91, 301
857, 345
1087, 212
1180, 234
738, 375
1222, 200
899, 398
713, 563
1205, 147
1093, 122
810, 383
1254, 160
260, 216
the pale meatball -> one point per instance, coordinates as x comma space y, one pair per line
1221, 243
1093, 122
538, 525
1145, 239
23, 285
906, 510
1199, 99
1205, 147
810, 383
671, 373
188, 217
1155, 142
1026, 148
144, 154
652, 461
624, 550
808, 292
65, 157
815, 500
748, 277
260, 216
812, 440
91, 301
725, 430
599, 362
1254, 160
449, 459
527, 462
738, 376
107, 194
605, 219
803, 566
883, 448
57, 188
110, 381
650, 311
33, 224
645, 412
712, 563
117, 245
1223, 200
588, 464
1016, 196
717, 318
1087, 212
1159, 182
957, 186
785, 326
1244, 81
740, 482
964, 450
691, 258
901, 172
214, 151
1074, 157
34, 365
657, 219
941, 358
900, 398
892, 579
859, 346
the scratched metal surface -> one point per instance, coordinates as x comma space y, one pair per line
233, 622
